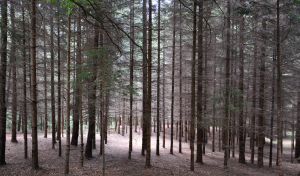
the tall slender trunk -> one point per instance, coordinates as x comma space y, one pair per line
163, 96
241, 87
148, 125
76, 118
261, 136
59, 88
52, 80
158, 81
273, 109
3, 81
192, 131
180, 83
131, 74
14, 75
92, 100
144, 140
252, 141
79, 86
45, 82
200, 126
123, 119
227, 111
214, 96
68, 97
173, 70
33, 86
24, 120
279, 132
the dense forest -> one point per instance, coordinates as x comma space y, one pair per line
215, 81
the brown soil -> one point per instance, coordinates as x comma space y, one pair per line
117, 162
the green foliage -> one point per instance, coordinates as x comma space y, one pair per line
111, 77
69, 4
235, 102
242, 10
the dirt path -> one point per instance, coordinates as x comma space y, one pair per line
117, 162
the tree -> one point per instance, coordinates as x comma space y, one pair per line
131, 74
33, 86
68, 97
14, 70
3, 81
199, 90
173, 70
192, 128
144, 142
279, 132
227, 111
52, 79
241, 87
59, 86
24, 123
148, 124
158, 80
261, 137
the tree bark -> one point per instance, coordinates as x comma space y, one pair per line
131, 74
52, 80
68, 98
92, 100
3, 81
261, 136
173, 70
200, 126
33, 86
144, 140
24, 120
279, 132
192, 131
241, 87
59, 87
227, 111
148, 125
158, 82
252, 138
14, 76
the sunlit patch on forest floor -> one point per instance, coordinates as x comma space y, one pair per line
117, 162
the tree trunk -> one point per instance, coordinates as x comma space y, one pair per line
52, 80
79, 87
33, 86
227, 111
214, 96
144, 140
3, 81
14, 75
158, 82
123, 118
279, 133
241, 87
199, 93
68, 98
24, 120
261, 136
272, 111
192, 132
173, 69
252, 138
131, 74
59, 88
180, 83
148, 125
91, 101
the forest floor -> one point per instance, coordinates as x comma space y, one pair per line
117, 162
